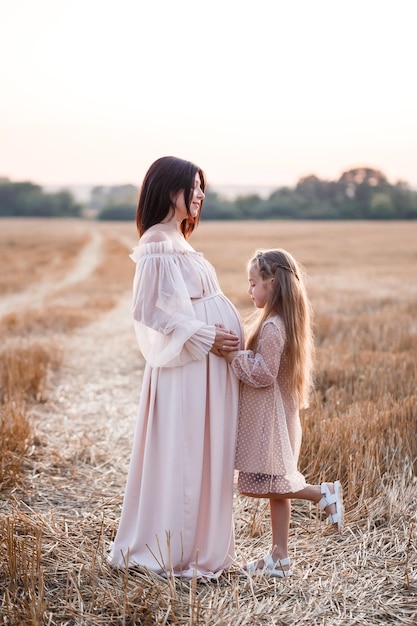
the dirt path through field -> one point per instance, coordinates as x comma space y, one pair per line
84, 431
89, 418
85, 263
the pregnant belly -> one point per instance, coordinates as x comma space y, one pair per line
217, 309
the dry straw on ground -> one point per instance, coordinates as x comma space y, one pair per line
71, 422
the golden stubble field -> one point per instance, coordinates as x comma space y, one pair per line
70, 377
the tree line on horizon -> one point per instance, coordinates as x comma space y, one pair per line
25, 199
359, 193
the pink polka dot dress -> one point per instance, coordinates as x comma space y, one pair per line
269, 428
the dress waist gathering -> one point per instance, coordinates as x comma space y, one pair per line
208, 297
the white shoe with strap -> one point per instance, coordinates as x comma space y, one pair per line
270, 568
333, 498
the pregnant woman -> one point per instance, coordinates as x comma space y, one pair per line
177, 509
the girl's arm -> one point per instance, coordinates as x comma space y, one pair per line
260, 368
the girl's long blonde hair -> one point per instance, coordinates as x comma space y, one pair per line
288, 299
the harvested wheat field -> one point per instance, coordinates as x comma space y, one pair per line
70, 375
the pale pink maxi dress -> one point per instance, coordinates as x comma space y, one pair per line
177, 509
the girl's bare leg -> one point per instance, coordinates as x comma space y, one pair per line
280, 522
311, 493
280, 508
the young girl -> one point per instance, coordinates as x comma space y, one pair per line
276, 374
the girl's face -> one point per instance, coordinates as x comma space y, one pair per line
196, 200
259, 289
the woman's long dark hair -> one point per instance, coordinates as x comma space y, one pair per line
165, 178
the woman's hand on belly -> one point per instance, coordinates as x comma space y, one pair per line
225, 341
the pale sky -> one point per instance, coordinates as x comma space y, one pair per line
256, 93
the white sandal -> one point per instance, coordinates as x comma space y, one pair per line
333, 498
270, 568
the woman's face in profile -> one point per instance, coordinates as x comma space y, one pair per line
197, 196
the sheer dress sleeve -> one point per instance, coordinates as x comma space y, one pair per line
260, 368
167, 330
